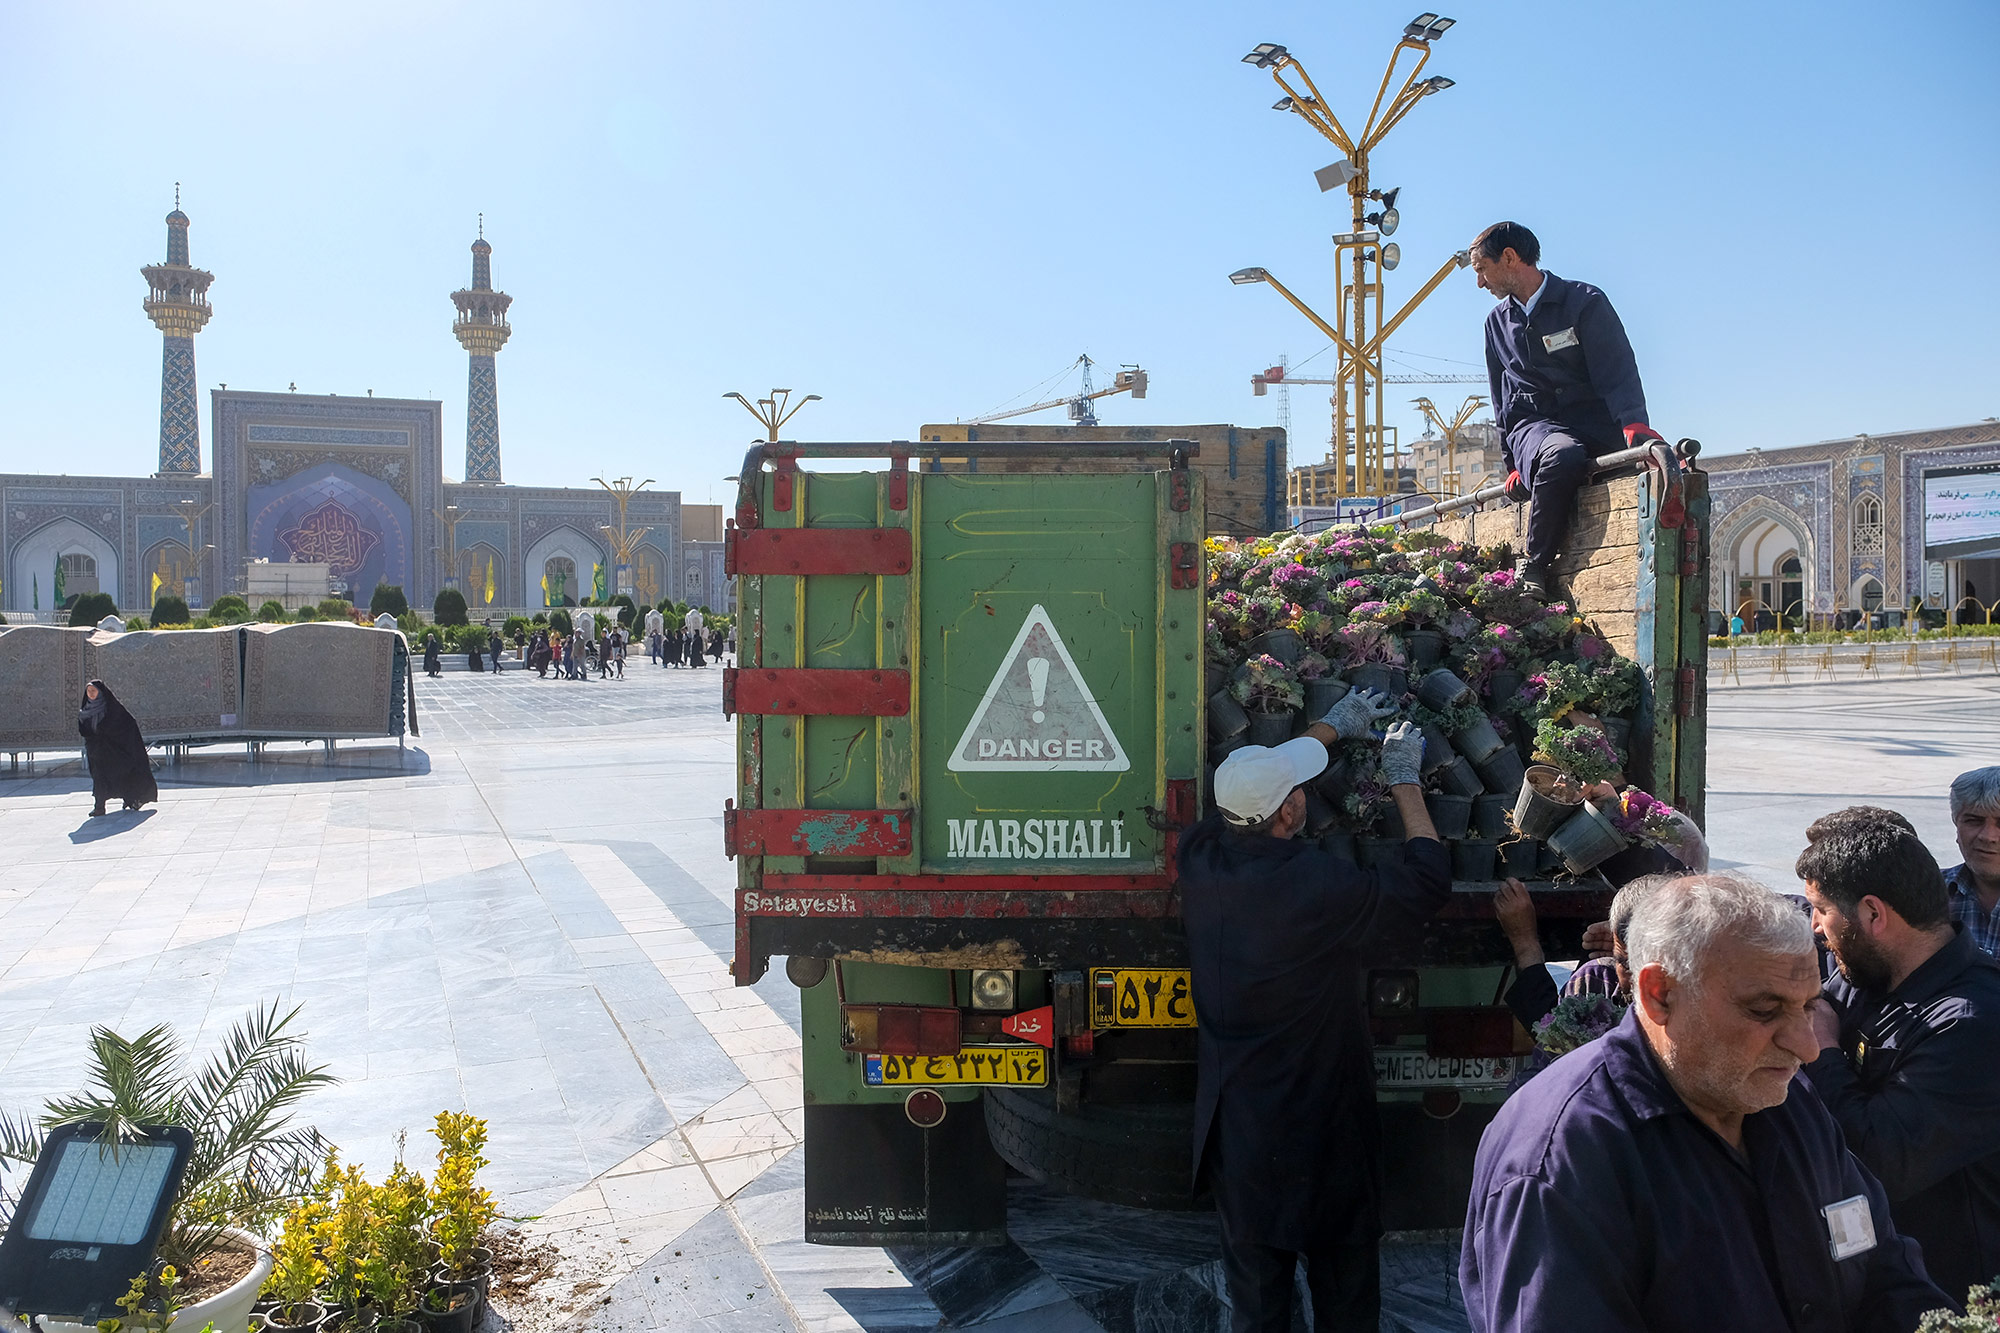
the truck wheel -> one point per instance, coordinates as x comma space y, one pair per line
1137, 1156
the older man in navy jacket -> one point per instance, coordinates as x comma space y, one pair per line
1677, 1175
1565, 386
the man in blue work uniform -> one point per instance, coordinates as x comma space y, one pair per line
1565, 386
1675, 1176
1909, 1042
1285, 1127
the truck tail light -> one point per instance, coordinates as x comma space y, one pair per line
1487, 1031
899, 1029
1392, 993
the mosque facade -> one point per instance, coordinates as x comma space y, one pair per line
356, 484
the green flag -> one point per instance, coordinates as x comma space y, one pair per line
36, 581
597, 581
58, 584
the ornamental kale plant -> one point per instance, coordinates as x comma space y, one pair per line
1576, 1021
1582, 751
1313, 666
1268, 686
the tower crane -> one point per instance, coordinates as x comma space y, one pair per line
1260, 384
1082, 411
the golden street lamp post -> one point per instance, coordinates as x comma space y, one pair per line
624, 540
771, 412
191, 512
449, 516
1363, 251
1451, 431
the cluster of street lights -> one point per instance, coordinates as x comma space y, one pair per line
1357, 402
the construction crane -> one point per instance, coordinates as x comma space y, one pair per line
1082, 411
1261, 384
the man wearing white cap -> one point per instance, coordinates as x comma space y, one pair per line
1278, 931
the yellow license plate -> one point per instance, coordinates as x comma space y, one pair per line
1004, 1066
1140, 997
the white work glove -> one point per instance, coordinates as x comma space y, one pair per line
1403, 754
1357, 713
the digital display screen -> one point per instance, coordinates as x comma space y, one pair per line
1961, 513
94, 1198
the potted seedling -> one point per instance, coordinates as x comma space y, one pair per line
295, 1275
461, 1210
397, 1269
344, 1234
1270, 692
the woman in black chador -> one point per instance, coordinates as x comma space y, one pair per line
115, 749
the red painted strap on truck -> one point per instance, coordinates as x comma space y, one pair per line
815, 692
1184, 565
816, 832
817, 551
978, 883
830, 896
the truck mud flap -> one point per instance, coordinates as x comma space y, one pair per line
875, 1178
1427, 1164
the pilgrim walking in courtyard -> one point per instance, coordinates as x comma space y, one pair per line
115, 751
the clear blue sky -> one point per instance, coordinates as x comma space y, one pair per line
920, 210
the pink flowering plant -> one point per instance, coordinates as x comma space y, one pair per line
1318, 629
1582, 751
1268, 686
1365, 641
1577, 1020
1313, 666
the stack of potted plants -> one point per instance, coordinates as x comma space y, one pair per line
1496, 679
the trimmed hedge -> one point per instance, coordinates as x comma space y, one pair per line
169, 609
449, 608
388, 597
91, 607
271, 611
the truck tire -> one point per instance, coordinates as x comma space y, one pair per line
1137, 1156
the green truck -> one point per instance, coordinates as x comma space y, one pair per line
971, 722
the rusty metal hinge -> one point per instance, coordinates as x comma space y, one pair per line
1184, 565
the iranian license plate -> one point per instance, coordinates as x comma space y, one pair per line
1140, 997
1002, 1066
1414, 1069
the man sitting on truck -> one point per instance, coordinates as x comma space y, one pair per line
1285, 1128
1564, 382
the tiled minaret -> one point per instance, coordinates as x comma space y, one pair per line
177, 303
482, 331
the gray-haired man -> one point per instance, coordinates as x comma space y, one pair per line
1665, 1177
1974, 884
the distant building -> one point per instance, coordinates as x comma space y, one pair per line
1870, 523
354, 484
1458, 467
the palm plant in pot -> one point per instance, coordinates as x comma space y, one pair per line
249, 1166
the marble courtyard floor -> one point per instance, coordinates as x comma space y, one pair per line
529, 918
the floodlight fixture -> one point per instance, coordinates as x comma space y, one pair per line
1244, 276
1388, 197
1387, 220
1356, 238
1418, 26
1265, 55
1283, 104
1392, 255
1436, 83
1438, 26
1335, 175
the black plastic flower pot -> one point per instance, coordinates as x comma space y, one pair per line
1619, 729
305, 1317
1502, 771
460, 1304
1372, 676
1479, 742
1472, 859
1221, 750
1426, 647
1338, 842
1503, 684
1271, 728
1283, 644
1521, 858
1459, 778
1373, 850
1538, 811
1333, 780
1438, 749
1226, 717
1323, 694
1451, 814
1320, 813
1489, 814
1441, 689
1586, 840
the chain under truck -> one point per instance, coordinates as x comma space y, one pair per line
971, 723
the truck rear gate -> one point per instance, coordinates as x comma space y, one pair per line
970, 724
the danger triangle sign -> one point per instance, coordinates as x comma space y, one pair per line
1038, 716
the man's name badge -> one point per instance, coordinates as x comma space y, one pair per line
1555, 342
1850, 1227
